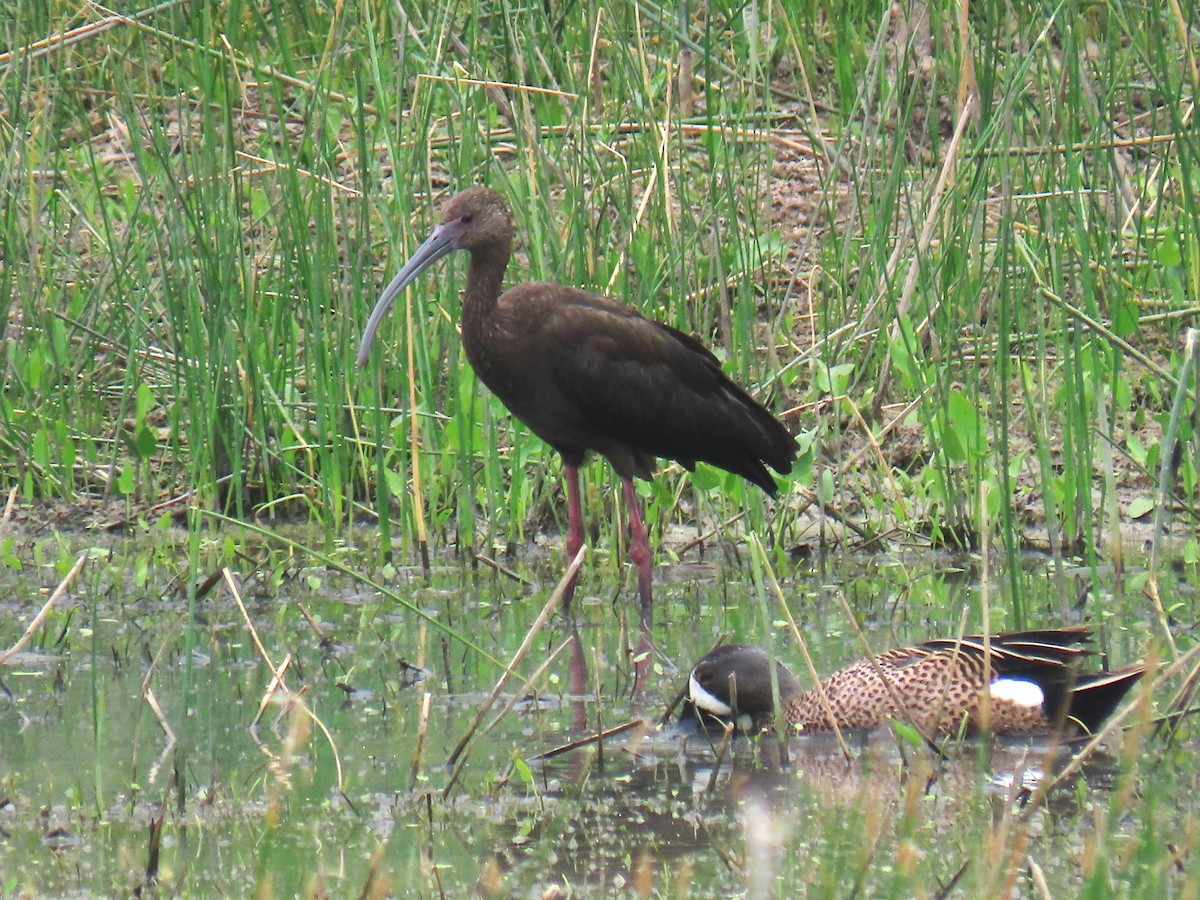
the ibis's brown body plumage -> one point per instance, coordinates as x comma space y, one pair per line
1032, 679
585, 373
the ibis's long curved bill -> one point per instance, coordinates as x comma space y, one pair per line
443, 240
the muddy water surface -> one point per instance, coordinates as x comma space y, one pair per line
128, 742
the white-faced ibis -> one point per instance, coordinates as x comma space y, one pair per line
1035, 686
585, 373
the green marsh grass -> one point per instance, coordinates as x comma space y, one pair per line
200, 208
266, 810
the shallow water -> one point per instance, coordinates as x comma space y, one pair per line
87, 769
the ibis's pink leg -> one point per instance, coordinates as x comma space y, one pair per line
578, 661
574, 527
639, 550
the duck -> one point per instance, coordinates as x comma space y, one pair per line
1034, 683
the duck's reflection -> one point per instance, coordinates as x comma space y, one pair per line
668, 808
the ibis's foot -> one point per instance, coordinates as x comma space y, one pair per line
639, 553
642, 660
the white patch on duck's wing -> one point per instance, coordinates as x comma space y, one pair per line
704, 699
1017, 690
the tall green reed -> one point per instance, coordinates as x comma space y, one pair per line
234, 189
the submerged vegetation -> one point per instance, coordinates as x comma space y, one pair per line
956, 247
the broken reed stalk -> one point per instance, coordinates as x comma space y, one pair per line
9, 506
414, 771
720, 751
152, 702
1179, 706
37, 620
168, 748
544, 616
598, 738
277, 679
423, 717
532, 680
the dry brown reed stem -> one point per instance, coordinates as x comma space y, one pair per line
1099, 328
664, 131
538, 623
1039, 880
502, 569
881, 822
277, 680
160, 760
532, 680
423, 718
414, 771
1084, 147
60, 40
9, 506
887, 682
270, 166
500, 138
154, 509
1177, 708
376, 884
152, 702
499, 85
1151, 591
949, 166
721, 750
312, 623
708, 535
808, 496
1007, 843
277, 683
893, 263
872, 445
598, 738
37, 620
796, 633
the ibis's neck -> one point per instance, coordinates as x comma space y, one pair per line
484, 279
